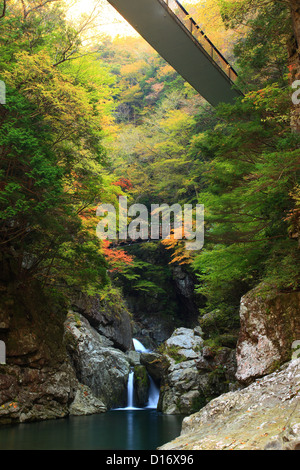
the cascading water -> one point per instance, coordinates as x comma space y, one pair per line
139, 347
153, 389
153, 396
130, 390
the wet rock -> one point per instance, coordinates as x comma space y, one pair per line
156, 365
134, 358
141, 386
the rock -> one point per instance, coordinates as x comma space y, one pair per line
38, 381
186, 343
109, 316
34, 395
221, 322
150, 327
4, 319
296, 349
134, 358
183, 282
187, 400
86, 403
195, 373
265, 415
156, 365
103, 368
269, 325
141, 386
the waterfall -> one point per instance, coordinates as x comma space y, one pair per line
130, 391
139, 347
153, 389
153, 394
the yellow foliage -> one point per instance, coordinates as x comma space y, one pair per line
207, 15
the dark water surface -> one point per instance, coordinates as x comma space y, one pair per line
115, 430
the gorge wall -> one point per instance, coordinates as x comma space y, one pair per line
38, 381
61, 363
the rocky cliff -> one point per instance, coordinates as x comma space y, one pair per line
108, 315
265, 415
38, 381
264, 412
59, 365
270, 323
97, 363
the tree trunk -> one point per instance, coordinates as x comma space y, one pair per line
294, 59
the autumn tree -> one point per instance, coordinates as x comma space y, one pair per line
52, 156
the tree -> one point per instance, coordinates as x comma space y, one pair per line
294, 58
249, 183
51, 155
275, 29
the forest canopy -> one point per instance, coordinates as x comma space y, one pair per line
86, 113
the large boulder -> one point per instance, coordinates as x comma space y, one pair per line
100, 366
156, 365
186, 342
30, 394
265, 415
109, 316
195, 373
269, 326
85, 403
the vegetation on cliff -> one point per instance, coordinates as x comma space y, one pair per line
88, 120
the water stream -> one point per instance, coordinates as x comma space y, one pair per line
153, 395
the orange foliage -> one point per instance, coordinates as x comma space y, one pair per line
181, 255
124, 183
117, 259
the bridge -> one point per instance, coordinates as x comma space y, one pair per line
169, 29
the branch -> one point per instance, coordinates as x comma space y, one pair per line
70, 57
41, 5
3, 9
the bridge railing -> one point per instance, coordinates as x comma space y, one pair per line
201, 37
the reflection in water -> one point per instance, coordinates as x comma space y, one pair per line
115, 430
130, 431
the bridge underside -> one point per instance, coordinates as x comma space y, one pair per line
163, 30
